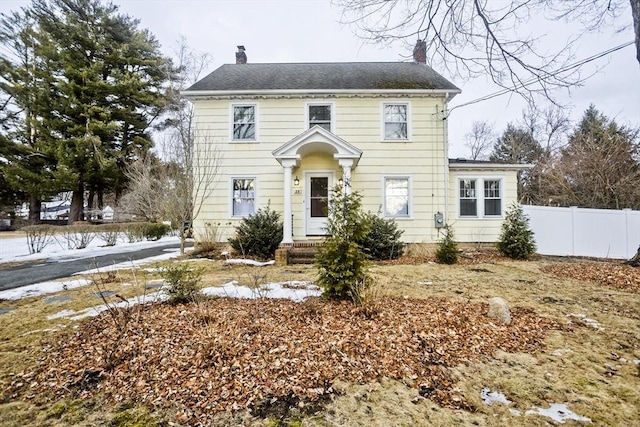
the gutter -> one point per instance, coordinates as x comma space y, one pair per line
195, 94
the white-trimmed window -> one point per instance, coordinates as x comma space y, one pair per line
396, 197
395, 122
480, 197
492, 198
244, 122
468, 198
320, 115
243, 196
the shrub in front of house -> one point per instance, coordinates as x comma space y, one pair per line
258, 235
382, 241
516, 238
341, 262
447, 252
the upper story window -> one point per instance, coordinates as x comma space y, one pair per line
396, 122
396, 197
243, 197
480, 197
320, 115
244, 122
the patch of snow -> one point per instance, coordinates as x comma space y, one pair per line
42, 289
561, 352
590, 322
249, 262
425, 283
636, 361
293, 290
95, 310
4, 160
515, 412
559, 413
16, 249
490, 397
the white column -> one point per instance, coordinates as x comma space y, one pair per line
346, 165
287, 229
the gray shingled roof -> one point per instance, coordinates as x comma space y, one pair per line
323, 75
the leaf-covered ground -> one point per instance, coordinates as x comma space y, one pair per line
613, 274
224, 353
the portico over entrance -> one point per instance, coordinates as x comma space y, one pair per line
317, 178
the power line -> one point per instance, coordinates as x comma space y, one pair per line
551, 74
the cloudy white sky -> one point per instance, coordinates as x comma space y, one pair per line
309, 31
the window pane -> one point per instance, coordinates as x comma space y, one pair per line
319, 196
244, 131
395, 131
319, 113
395, 113
492, 207
467, 188
244, 197
492, 189
396, 197
468, 207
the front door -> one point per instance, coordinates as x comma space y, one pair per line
317, 202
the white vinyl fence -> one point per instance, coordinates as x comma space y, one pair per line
601, 233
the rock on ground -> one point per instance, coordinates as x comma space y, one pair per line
499, 310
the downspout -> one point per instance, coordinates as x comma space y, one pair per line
446, 157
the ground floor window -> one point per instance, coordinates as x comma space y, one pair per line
488, 199
243, 196
396, 197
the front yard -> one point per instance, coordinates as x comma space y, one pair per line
419, 351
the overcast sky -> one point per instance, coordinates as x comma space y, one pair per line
309, 31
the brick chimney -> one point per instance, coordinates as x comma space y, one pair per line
419, 52
241, 57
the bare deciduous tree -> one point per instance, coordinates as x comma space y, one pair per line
469, 38
480, 139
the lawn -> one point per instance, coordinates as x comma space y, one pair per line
419, 351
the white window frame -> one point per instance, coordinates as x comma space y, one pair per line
232, 122
383, 121
501, 197
478, 183
480, 197
332, 106
409, 213
231, 198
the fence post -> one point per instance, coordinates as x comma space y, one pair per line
627, 232
574, 211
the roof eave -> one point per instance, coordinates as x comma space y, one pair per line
195, 94
490, 166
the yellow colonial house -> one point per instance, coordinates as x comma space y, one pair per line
287, 133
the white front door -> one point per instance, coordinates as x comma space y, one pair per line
318, 187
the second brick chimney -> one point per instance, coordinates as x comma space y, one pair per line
420, 52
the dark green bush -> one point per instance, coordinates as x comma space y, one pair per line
341, 262
258, 235
181, 282
447, 252
516, 239
156, 231
382, 241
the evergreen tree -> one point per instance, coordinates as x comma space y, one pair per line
516, 238
447, 252
600, 166
341, 261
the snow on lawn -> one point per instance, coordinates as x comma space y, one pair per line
293, 290
42, 289
16, 249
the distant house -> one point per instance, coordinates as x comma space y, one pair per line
288, 133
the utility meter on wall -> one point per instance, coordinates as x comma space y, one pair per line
439, 218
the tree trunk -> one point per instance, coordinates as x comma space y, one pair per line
635, 261
35, 207
77, 204
100, 203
